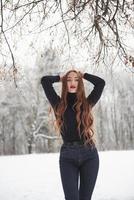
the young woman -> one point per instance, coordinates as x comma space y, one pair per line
79, 159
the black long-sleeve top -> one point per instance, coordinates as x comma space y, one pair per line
69, 129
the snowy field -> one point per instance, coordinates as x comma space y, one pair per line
37, 177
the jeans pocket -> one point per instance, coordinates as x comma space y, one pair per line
89, 148
90, 152
67, 152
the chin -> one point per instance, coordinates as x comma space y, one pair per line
72, 91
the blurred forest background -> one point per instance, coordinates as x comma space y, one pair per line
44, 37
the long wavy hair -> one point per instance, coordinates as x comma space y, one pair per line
84, 114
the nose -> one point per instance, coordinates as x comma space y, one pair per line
73, 82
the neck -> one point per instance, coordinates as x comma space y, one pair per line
71, 93
71, 97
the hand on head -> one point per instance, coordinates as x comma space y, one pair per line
81, 74
61, 77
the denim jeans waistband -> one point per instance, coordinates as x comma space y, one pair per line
78, 144
74, 143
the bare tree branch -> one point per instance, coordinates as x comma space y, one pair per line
76, 16
12, 56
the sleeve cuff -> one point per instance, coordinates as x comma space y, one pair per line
85, 74
57, 78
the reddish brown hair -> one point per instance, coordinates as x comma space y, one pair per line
86, 116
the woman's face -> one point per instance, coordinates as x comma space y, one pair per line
72, 82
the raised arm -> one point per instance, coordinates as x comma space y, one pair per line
98, 83
47, 84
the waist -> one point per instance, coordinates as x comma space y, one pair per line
74, 143
78, 143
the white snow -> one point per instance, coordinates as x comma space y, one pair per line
37, 177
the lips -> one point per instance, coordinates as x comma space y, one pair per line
72, 87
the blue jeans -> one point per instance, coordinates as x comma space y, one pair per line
78, 164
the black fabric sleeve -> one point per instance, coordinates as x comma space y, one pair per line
47, 84
98, 83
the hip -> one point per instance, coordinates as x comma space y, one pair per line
78, 151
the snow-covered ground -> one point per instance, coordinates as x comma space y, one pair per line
37, 177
